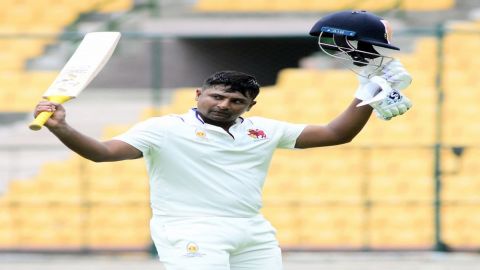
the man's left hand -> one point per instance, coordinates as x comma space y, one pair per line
396, 75
390, 102
394, 104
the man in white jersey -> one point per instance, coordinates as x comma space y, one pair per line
207, 167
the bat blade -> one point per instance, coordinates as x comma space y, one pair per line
86, 62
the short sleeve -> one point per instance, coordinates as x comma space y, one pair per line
289, 134
144, 135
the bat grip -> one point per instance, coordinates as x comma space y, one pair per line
40, 120
43, 117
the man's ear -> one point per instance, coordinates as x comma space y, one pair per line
198, 92
251, 105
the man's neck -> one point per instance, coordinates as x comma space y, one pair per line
224, 125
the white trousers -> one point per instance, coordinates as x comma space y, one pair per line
216, 243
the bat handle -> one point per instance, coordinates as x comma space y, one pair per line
43, 117
40, 120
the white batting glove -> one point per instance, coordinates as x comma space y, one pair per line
382, 91
394, 104
395, 74
389, 102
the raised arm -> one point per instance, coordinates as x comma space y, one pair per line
379, 92
87, 147
381, 77
340, 130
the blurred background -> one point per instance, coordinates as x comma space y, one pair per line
410, 184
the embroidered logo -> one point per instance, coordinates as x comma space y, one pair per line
193, 250
257, 134
200, 134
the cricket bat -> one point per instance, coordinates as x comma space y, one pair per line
86, 62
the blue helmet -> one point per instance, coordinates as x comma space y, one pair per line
336, 31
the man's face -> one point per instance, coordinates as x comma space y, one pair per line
220, 107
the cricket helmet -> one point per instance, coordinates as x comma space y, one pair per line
352, 35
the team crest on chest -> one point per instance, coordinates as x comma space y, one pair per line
257, 134
201, 134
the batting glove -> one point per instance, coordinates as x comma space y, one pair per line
396, 75
394, 104
393, 73
389, 102
382, 91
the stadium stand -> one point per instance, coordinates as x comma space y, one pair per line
460, 83
37, 17
7, 227
335, 226
51, 209
401, 175
401, 225
335, 175
460, 225
118, 225
69, 204
48, 225
319, 5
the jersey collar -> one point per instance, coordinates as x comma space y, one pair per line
196, 115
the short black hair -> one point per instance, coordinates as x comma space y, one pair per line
235, 81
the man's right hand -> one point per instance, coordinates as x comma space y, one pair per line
87, 147
59, 113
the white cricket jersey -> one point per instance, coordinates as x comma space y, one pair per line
198, 169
